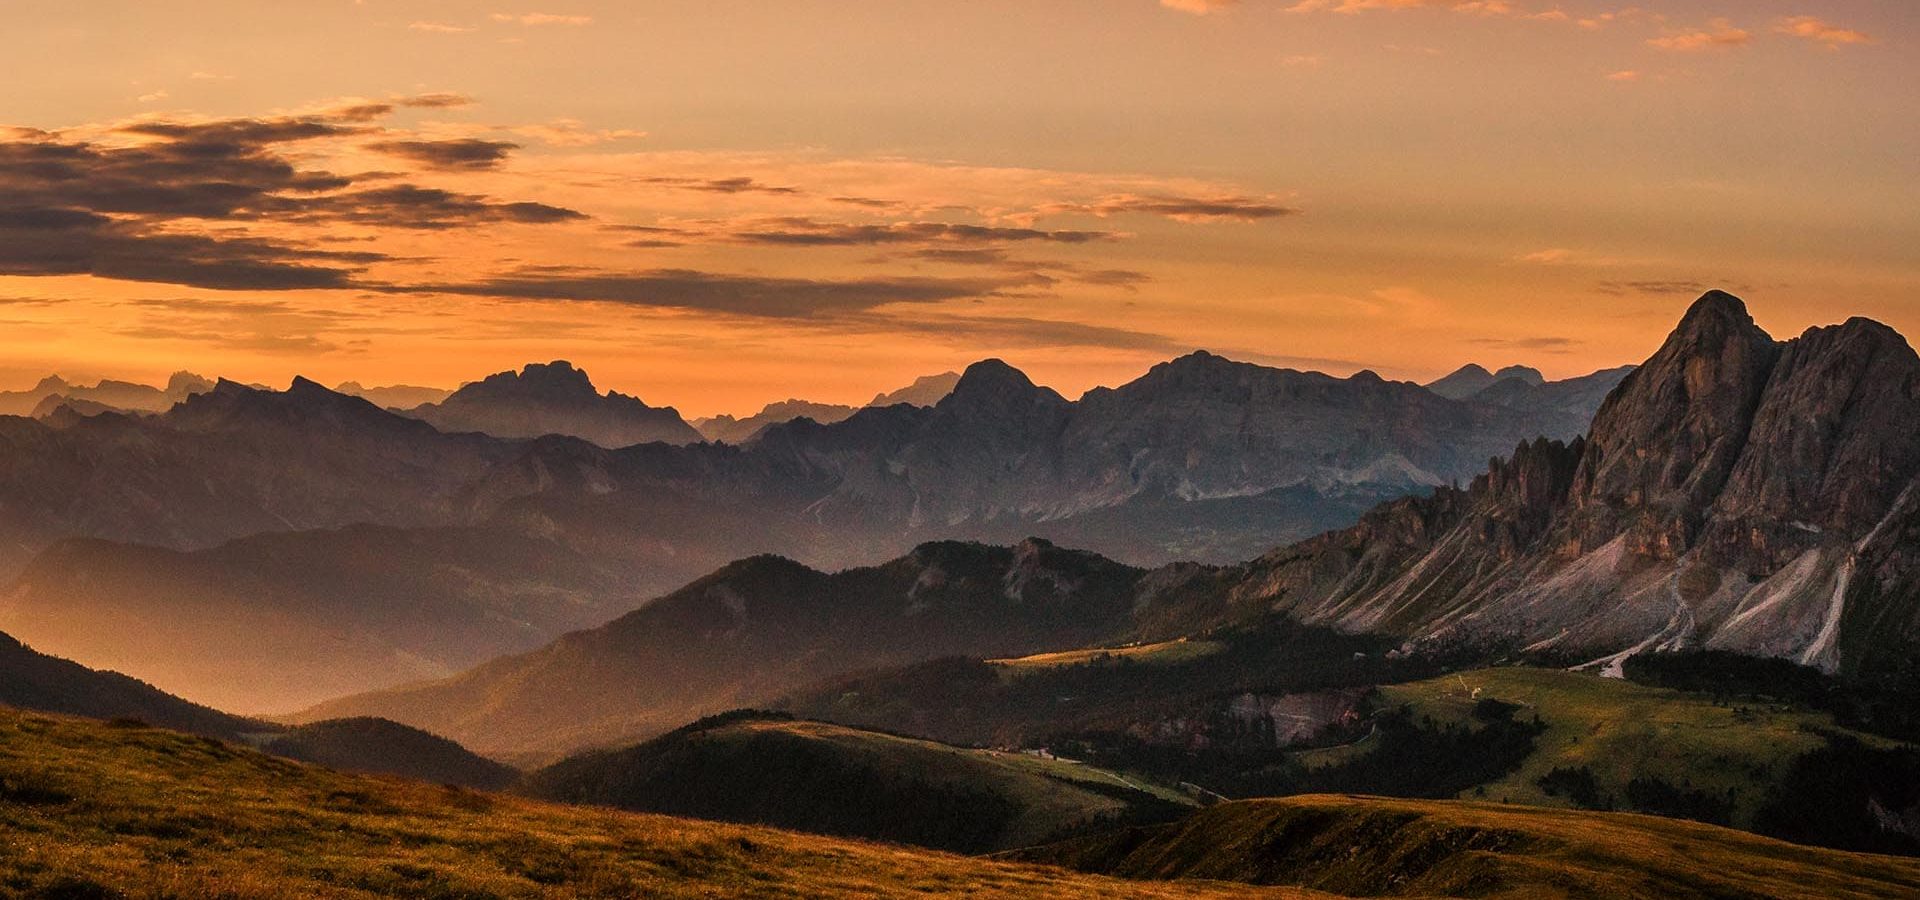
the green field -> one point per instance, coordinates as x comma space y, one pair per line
1620, 731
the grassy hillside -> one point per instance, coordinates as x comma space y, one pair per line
773, 770
93, 810
1607, 742
380, 747
1414, 848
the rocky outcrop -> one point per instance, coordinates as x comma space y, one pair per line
555, 398
1734, 493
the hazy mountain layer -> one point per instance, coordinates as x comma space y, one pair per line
764, 626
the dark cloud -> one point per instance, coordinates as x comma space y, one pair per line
812, 233
1052, 270
1546, 343
749, 295
735, 185
1656, 286
140, 212
1185, 209
868, 202
465, 154
414, 207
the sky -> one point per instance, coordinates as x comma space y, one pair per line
716, 204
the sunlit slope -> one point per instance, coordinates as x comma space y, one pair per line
91, 810
1423, 848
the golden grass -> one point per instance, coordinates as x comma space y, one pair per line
1163, 653
1404, 848
88, 809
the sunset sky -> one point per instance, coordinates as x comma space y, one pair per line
715, 204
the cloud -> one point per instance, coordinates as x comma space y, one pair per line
1814, 29
1720, 34
1543, 343
439, 27
177, 205
538, 18
1618, 288
1552, 257
413, 207
1473, 7
1180, 209
572, 133
747, 295
814, 233
464, 154
1200, 7
739, 184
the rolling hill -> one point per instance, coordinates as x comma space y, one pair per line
30, 680
93, 810
760, 628
278, 621
1408, 848
769, 769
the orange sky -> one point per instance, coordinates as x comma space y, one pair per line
718, 204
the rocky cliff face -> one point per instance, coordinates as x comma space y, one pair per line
555, 398
1732, 493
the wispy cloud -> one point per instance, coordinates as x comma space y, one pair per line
1813, 28
1720, 34
541, 18
1200, 7
431, 27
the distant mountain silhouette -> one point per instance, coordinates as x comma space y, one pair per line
728, 429
108, 395
554, 398
395, 396
924, 391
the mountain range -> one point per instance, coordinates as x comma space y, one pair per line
275, 573
1732, 488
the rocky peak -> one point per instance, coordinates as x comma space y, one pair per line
182, 384
1836, 436
1667, 438
1525, 374
991, 386
554, 382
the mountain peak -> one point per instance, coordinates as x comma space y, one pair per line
559, 379
1528, 374
991, 377
1715, 307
